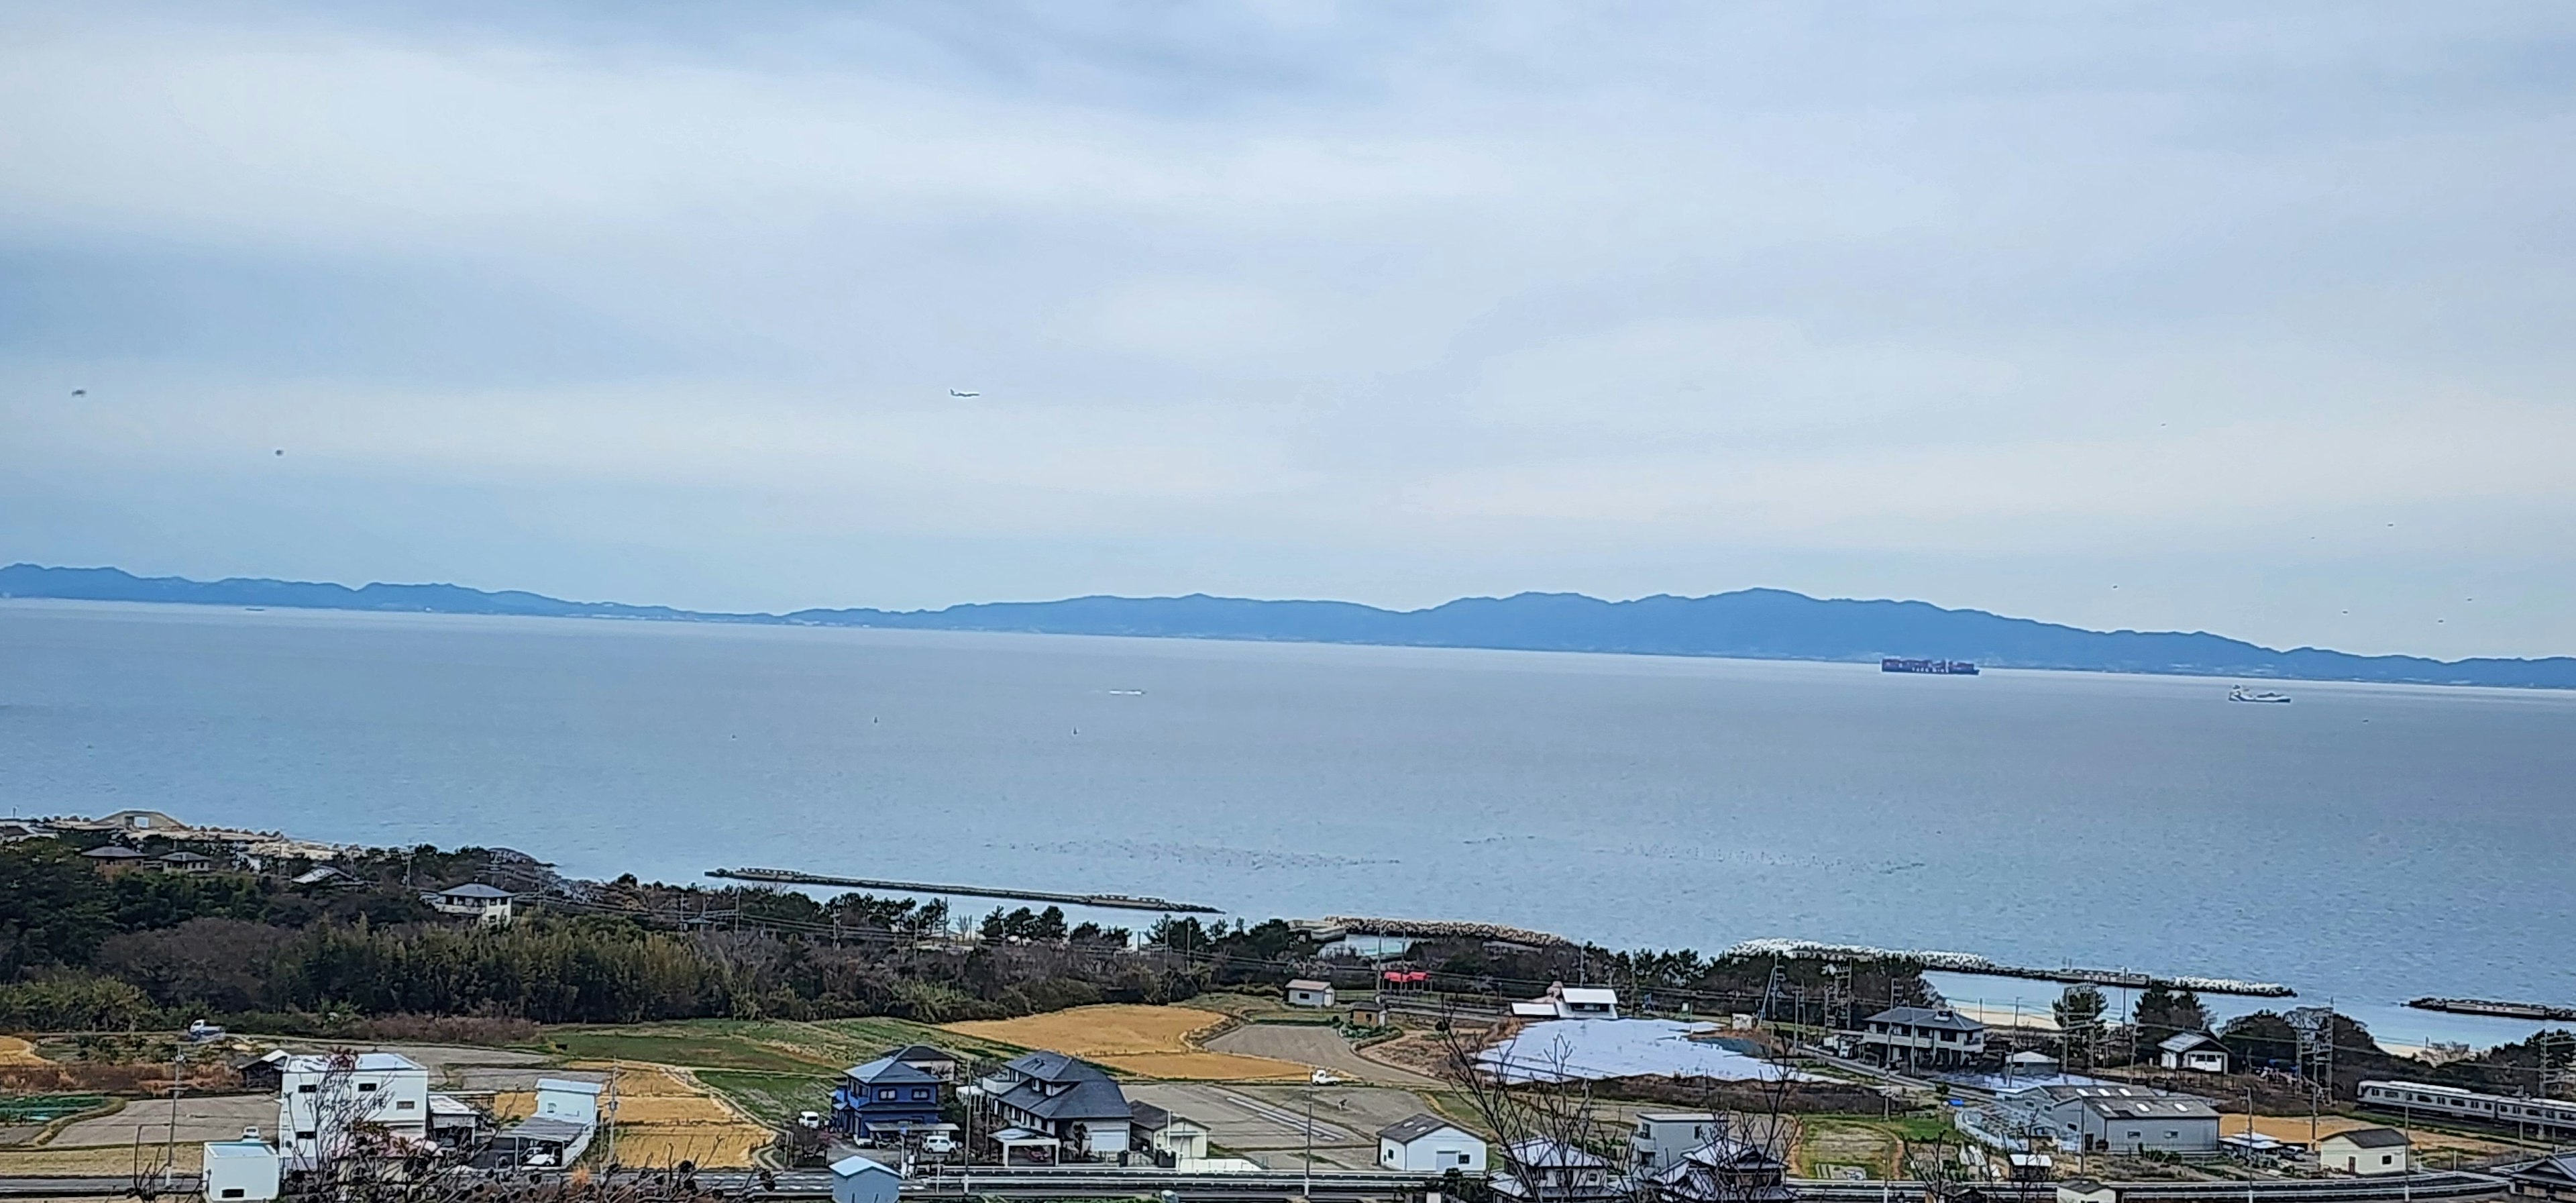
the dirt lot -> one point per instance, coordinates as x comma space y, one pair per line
2295, 1128
1268, 1123
211, 1117
112, 1162
1320, 1047
1152, 1042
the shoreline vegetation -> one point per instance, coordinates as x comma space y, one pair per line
1750, 624
264, 944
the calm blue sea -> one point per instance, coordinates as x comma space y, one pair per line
2367, 842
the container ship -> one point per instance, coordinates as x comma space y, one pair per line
1938, 668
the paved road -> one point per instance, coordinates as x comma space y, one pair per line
1321, 1047
1267, 1123
200, 1118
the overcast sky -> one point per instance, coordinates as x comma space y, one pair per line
2252, 319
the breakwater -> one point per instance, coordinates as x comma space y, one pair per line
1124, 902
1969, 962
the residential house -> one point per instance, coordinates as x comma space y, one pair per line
2032, 1065
2119, 1119
1725, 1170
883, 1098
2198, 1052
936, 1062
856, 1179
2367, 1152
115, 859
331, 1107
14, 830
1170, 1138
325, 877
1072, 1103
1920, 1037
241, 1171
1540, 1170
184, 861
472, 900
2548, 1178
1428, 1144
1662, 1138
1307, 992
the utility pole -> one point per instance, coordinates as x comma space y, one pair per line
1309, 1191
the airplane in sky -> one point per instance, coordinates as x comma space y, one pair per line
954, 393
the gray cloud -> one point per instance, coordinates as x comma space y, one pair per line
2123, 315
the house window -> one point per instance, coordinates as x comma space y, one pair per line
307, 1088
232, 1192
303, 1136
366, 1088
404, 1105
921, 1093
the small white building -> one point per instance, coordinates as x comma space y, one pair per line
247, 1170
1662, 1138
2198, 1052
1157, 1130
473, 900
1579, 1002
2367, 1152
2086, 1190
568, 1100
856, 1179
1307, 992
1428, 1144
321, 1100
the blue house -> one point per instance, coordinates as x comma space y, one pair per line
884, 1097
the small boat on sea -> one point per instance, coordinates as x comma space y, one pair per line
2242, 694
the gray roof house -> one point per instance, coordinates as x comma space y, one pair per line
1933, 1037
1068, 1099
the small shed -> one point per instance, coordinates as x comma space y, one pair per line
264, 1073
2198, 1052
1428, 1144
2366, 1152
246, 1170
1307, 992
857, 1179
2086, 1190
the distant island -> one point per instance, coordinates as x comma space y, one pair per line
1750, 624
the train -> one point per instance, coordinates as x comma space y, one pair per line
2546, 1118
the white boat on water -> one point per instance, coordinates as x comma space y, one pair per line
2242, 694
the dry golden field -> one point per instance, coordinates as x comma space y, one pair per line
1151, 1042
664, 1116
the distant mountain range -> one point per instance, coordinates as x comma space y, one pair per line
1755, 624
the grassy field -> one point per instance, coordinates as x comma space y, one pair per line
1874, 1143
770, 1098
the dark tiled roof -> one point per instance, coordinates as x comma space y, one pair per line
1088, 1098
474, 889
1926, 1017
922, 1052
1055, 1067
1149, 1116
2373, 1138
885, 1071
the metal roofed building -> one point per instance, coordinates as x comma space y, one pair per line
1725, 1170
1427, 1144
241, 1171
2199, 1052
1307, 992
2367, 1152
1556, 1173
2118, 1119
2552, 1178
